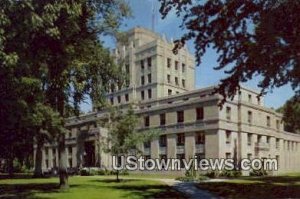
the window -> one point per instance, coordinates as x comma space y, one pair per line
142, 80
46, 151
162, 119
176, 81
142, 65
177, 92
70, 163
180, 116
142, 95
119, 99
228, 137
181, 157
200, 138
176, 65
183, 68
268, 139
126, 97
199, 113
250, 98
277, 143
112, 100
169, 92
249, 156
146, 121
249, 117
249, 139
147, 144
70, 151
112, 88
149, 93
258, 100
183, 83
127, 68
268, 121
180, 139
168, 62
149, 62
228, 113
169, 78
259, 138
277, 124
149, 78
70, 134
228, 155
163, 141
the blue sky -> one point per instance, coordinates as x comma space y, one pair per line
205, 75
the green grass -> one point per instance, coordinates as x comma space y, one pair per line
85, 188
287, 186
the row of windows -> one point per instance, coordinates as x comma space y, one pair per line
149, 91
180, 140
290, 145
143, 79
180, 117
250, 118
176, 80
149, 63
119, 99
176, 65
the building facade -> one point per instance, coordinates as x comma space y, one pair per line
161, 90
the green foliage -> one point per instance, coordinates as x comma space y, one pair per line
291, 114
258, 173
230, 173
212, 174
251, 38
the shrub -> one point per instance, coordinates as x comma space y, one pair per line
84, 172
186, 179
231, 173
258, 173
211, 174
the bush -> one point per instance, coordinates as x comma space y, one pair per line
258, 173
212, 174
231, 173
186, 179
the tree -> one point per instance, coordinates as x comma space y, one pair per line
123, 136
56, 46
259, 37
291, 114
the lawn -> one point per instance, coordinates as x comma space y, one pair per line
85, 188
256, 187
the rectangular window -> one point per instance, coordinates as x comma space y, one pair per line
249, 117
268, 121
126, 97
268, 139
146, 121
199, 113
180, 116
180, 139
249, 139
119, 99
142, 80
163, 141
183, 67
142, 65
181, 157
169, 78
277, 124
176, 65
228, 113
147, 144
149, 78
183, 83
200, 138
250, 98
259, 138
169, 63
169, 92
228, 137
149, 62
258, 100
149, 93
112, 101
176, 81
142, 95
70, 151
127, 68
228, 155
249, 156
277, 143
162, 119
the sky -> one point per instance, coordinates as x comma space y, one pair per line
205, 74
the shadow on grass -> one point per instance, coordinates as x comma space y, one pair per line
26, 190
128, 187
261, 187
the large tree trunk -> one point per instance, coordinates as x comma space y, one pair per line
38, 160
62, 155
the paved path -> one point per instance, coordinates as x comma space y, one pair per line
189, 189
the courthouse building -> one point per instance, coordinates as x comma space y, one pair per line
161, 88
